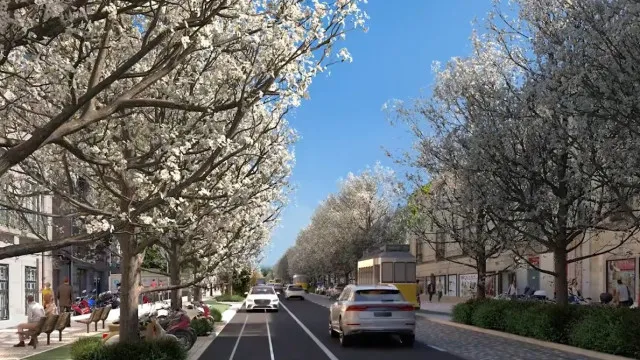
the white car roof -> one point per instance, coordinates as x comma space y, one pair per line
372, 287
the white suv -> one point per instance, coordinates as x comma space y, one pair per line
294, 291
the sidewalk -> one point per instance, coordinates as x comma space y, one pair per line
8, 336
443, 307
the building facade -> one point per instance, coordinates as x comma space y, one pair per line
23, 275
594, 275
86, 267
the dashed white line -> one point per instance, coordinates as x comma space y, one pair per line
437, 348
270, 343
235, 347
313, 337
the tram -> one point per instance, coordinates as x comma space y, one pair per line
302, 281
390, 265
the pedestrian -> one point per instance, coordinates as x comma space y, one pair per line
35, 312
47, 296
431, 289
161, 293
65, 296
439, 289
623, 295
513, 290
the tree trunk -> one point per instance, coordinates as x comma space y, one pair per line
481, 290
561, 284
197, 293
174, 276
129, 288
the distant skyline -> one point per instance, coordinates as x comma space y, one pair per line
343, 128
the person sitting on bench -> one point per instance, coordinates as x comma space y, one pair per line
35, 312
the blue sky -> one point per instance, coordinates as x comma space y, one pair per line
342, 126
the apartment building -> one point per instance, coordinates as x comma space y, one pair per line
23, 275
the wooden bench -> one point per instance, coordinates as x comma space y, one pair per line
63, 320
105, 315
49, 326
94, 318
33, 334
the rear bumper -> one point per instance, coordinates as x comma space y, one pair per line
365, 330
294, 295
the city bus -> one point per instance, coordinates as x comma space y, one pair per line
302, 281
390, 265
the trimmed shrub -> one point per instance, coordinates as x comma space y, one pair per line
165, 349
611, 330
201, 326
463, 312
604, 329
215, 314
83, 348
230, 298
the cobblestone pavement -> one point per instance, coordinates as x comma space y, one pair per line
472, 345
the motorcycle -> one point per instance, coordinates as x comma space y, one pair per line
107, 298
81, 306
177, 325
204, 312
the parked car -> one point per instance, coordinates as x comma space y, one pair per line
372, 309
294, 291
335, 291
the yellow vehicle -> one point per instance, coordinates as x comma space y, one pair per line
390, 264
302, 281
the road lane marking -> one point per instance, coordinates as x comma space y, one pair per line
437, 348
235, 347
269, 336
313, 337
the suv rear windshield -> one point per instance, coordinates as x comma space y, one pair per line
385, 295
262, 290
295, 288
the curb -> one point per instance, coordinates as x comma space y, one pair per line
433, 312
206, 341
547, 344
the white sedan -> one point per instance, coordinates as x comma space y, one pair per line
294, 291
262, 297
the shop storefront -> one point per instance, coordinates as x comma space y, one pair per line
452, 285
468, 285
623, 269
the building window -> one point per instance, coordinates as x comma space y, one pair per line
4, 292
624, 270
30, 284
440, 246
411, 272
387, 272
399, 272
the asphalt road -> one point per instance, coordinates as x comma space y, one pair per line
299, 331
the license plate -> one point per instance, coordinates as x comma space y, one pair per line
382, 314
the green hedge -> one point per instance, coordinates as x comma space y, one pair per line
599, 328
201, 326
167, 349
83, 348
230, 298
215, 314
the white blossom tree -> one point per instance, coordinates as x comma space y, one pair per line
92, 60
362, 214
543, 169
193, 111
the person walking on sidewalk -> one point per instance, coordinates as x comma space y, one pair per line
439, 289
431, 289
623, 295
